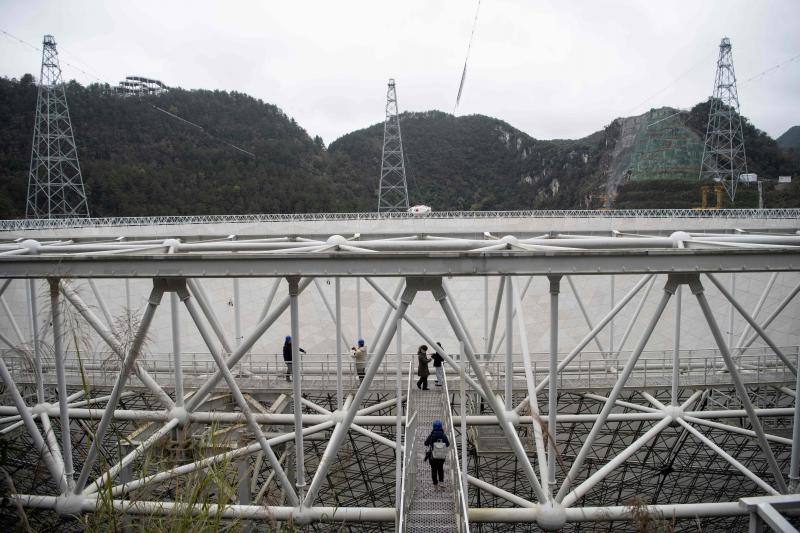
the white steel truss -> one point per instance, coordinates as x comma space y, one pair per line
620, 433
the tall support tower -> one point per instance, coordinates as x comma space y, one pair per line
724, 157
393, 194
55, 184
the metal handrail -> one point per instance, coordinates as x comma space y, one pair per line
462, 509
652, 367
409, 471
55, 223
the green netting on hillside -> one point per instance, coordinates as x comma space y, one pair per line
666, 149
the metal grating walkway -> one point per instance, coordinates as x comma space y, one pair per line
430, 510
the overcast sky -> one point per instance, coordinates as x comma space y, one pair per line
554, 69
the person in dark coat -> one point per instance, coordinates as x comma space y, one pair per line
422, 367
437, 366
287, 356
437, 465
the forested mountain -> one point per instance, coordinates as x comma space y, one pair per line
137, 160
476, 162
790, 140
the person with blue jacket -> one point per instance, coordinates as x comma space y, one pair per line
438, 443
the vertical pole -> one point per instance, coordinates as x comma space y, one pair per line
794, 467
611, 323
338, 304
245, 476
176, 349
462, 372
495, 316
296, 386
128, 303
552, 386
60, 356
398, 455
358, 307
509, 345
486, 315
730, 310
676, 357
237, 313
37, 353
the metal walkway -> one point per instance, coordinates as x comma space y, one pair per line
430, 509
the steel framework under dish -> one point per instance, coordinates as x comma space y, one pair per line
551, 440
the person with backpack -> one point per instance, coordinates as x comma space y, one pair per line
422, 367
437, 365
287, 356
438, 443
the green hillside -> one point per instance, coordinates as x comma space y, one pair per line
137, 160
790, 141
476, 162
678, 188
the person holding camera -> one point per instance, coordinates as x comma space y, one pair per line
360, 355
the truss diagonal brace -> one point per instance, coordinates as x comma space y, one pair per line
75, 299
340, 432
127, 366
698, 291
185, 297
508, 428
669, 290
243, 348
750, 320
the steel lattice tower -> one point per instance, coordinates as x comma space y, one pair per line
393, 194
55, 184
723, 153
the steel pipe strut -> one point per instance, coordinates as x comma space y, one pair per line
588, 338
210, 461
184, 295
422, 333
725, 455
242, 349
297, 393
110, 339
200, 295
552, 392
122, 378
339, 433
37, 349
698, 291
161, 508
759, 330
618, 459
777, 311
669, 290
30, 424
536, 421
60, 356
497, 407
